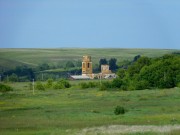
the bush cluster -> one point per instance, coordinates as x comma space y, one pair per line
61, 84
85, 85
119, 110
39, 86
5, 88
146, 73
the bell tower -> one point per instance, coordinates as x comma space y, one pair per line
86, 65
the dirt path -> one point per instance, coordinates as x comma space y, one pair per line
123, 129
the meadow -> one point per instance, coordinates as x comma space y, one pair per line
70, 111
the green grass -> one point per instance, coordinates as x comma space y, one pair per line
11, 58
59, 111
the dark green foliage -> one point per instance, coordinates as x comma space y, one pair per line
145, 73
138, 65
103, 87
61, 84
119, 110
58, 85
121, 73
178, 85
39, 86
107, 84
44, 66
102, 61
85, 85
70, 64
163, 72
92, 84
49, 83
141, 85
112, 64
78, 63
13, 78
65, 83
5, 88
136, 58
20, 73
117, 83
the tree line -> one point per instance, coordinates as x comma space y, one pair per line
147, 73
25, 73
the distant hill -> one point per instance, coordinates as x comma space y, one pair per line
10, 58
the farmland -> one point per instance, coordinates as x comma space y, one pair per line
70, 111
77, 110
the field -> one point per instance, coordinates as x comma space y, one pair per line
10, 58
87, 111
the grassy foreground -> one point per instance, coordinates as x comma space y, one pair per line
69, 111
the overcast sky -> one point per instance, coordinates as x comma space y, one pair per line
90, 23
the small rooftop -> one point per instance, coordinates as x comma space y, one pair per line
80, 77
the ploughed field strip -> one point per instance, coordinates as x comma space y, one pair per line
125, 129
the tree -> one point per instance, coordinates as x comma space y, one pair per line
78, 63
138, 65
136, 58
69, 64
117, 82
43, 66
13, 78
39, 86
102, 62
121, 73
5, 88
112, 64
49, 83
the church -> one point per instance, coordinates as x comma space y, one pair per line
87, 71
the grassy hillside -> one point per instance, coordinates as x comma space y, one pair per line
71, 110
10, 58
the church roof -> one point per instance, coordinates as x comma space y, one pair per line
80, 77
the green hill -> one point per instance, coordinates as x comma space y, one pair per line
10, 58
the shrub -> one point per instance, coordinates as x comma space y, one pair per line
13, 78
119, 110
178, 85
117, 82
58, 85
5, 88
84, 85
141, 85
49, 83
108, 84
102, 87
61, 84
65, 83
39, 86
92, 84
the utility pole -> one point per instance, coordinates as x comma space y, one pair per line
33, 86
0, 78
100, 78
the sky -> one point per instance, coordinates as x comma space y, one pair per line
90, 24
